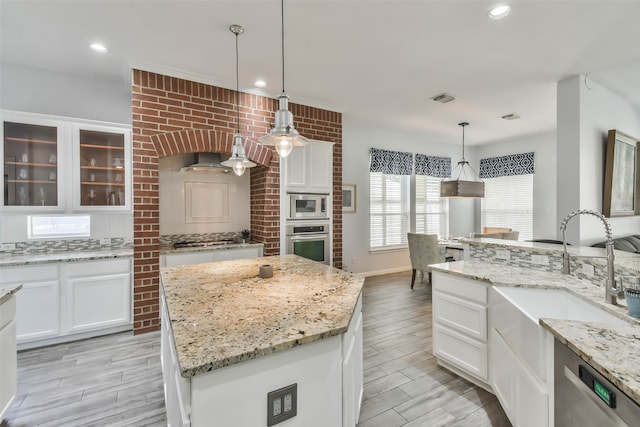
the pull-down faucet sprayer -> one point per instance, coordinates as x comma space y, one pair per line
611, 292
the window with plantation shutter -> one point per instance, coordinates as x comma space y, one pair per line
432, 211
508, 193
389, 173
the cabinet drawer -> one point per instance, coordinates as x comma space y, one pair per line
466, 353
463, 316
99, 268
30, 273
7, 311
468, 289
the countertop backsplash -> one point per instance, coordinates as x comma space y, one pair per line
66, 245
521, 255
170, 239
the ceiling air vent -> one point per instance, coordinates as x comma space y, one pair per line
443, 98
512, 116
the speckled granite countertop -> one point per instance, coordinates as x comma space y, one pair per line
614, 352
223, 313
7, 291
68, 256
169, 249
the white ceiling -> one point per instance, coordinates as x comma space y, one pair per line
378, 62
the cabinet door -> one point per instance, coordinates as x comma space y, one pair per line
102, 167
296, 170
531, 399
8, 366
32, 162
239, 253
460, 350
502, 362
98, 302
320, 166
38, 305
173, 260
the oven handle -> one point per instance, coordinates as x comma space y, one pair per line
307, 236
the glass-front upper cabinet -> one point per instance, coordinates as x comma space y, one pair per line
103, 167
31, 162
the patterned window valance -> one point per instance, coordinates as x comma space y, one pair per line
514, 164
391, 162
440, 167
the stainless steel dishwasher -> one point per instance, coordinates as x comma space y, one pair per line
584, 398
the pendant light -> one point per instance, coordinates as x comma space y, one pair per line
238, 160
283, 135
462, 187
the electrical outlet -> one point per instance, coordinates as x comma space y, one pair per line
282, 404
7, 246
503, 254
588, 270
288, 402
277, 406
539, 259
105, 241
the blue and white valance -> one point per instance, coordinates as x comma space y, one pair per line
440, 167
391, 162
514, 164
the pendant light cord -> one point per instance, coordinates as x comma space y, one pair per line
282, 22
237, 87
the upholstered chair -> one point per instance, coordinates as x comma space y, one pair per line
423, 251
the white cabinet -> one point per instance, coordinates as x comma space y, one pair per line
198, 257
460, 326
8, 355
98, 295
520, 350
64, 301
39, 177
352, 369
38, 312
309, 168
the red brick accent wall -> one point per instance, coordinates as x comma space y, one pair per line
174, 116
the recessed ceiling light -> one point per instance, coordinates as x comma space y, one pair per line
260, 83
98, 47
499, 12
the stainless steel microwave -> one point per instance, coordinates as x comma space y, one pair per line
308, 206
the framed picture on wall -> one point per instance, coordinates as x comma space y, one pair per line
348, 198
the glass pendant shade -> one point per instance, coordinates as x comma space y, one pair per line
462, 187
238, 160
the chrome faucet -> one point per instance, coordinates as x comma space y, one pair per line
611, 292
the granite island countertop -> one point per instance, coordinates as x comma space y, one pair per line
223, 313
613, 351
7, 291
11, 260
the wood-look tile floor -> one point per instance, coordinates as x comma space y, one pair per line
116, 380
403, 385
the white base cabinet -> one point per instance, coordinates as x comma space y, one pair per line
8, 355
460, 326
521, 359
328, 374
66, 301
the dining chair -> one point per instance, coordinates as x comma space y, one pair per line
423, 251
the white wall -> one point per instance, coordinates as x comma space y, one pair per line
544, 179
584, 137
357, 139
38, 91
172, 198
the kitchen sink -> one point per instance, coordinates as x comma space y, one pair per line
556, 304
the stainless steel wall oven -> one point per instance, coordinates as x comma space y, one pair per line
309, 239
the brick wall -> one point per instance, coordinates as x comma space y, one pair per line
173, 116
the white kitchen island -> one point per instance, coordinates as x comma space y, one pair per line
230, 337
8, 349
